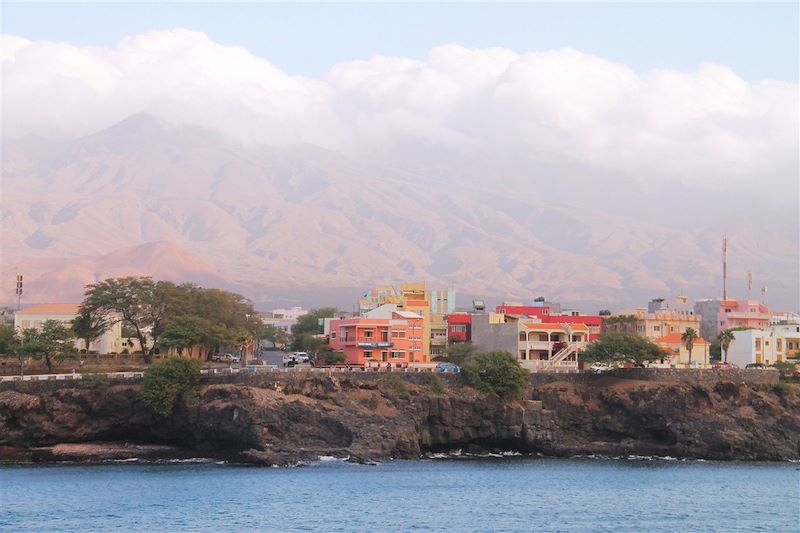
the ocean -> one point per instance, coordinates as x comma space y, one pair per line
514, 494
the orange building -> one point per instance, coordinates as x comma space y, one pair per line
371, 341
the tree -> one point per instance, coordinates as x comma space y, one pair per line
277, 336
169, 381
8, 340
53, 343
183, 333
616, 348
688, 338
310, 323
89, 326
725, 339
142, 303
458, 353
496, 373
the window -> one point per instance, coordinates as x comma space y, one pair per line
656, 328
333, 334
368, 333
398, 355
384, 335
758, 344
367, 354
779, 344
543, 337
398, 333
384, 354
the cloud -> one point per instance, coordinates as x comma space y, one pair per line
696, 127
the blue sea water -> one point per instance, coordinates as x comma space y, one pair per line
502, 495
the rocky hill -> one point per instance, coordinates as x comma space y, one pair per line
176, 201
282, 420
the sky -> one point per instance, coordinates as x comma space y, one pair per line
757, 40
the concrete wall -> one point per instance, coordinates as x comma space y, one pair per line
488, 337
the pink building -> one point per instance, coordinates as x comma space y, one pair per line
719, 315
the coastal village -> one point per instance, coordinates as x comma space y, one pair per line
413, 327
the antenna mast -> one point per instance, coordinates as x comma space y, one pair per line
749, 283
725, 267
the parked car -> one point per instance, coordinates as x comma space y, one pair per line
448, 367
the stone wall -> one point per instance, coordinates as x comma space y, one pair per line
751, 376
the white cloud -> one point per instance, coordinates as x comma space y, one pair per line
698, 127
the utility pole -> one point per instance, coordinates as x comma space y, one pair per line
18, 290
749, 284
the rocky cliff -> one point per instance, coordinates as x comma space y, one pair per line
301, 417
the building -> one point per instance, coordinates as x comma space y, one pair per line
283, 318
771, 345
388, 336
543, 311
459, 327
432, 305
111, 341
679, 354
719, 315
658, 320
539, 346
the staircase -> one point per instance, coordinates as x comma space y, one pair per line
560, 356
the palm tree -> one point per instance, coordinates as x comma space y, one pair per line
725, 338
688, 337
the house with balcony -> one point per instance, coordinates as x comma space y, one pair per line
539, 346
387, 336
679, 356
773, 344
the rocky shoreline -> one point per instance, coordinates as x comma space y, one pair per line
299, 418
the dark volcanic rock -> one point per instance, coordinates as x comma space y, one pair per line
301, 417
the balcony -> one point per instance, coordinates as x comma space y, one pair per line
374, 344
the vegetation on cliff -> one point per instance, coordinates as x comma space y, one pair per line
168, 381
496, 373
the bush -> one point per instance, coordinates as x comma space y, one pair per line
93, 381
785, 366
496, 373
782, 388
397, 384
170, 380
437, 387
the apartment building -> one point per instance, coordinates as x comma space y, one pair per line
771, 345
370, 341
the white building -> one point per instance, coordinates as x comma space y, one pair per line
283, 318
768, 346
34, 317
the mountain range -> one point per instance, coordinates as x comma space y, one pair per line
304, 225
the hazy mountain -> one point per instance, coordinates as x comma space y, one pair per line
180, 202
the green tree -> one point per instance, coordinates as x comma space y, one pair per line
277, 336
688, 338
310, 323
8, 340
725, 339
142, 304
183, 333
89, 326
459, 353
169, 381
496, 373
785, 366
53, 343
616, 348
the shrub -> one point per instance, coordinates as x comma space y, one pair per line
782, 388
397, 384
437, 387
94, 381
496, 373
170, 380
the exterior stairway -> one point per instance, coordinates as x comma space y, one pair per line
560, 356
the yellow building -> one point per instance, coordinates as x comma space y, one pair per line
653, 325
432, 305
679, 354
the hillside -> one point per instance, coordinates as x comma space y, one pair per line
181, 202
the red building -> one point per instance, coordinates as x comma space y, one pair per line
543, 313
459, 327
